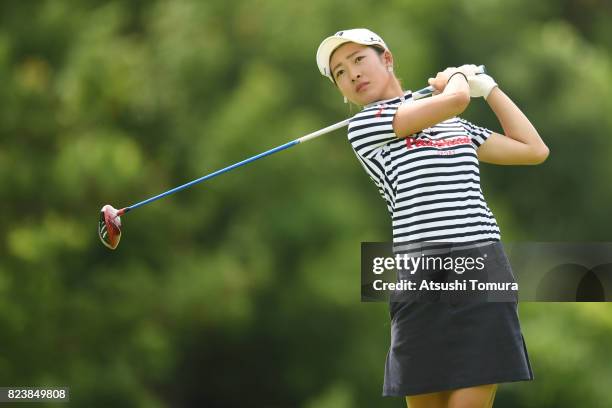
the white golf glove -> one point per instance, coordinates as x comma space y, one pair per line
481, 85
468, 70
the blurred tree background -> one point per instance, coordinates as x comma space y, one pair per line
244, 291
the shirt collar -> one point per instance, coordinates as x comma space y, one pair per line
402, 98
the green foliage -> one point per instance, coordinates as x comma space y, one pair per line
245, 290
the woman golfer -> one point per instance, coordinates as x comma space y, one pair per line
424, 160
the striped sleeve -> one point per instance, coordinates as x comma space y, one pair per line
376, 172
372, 128
478, 135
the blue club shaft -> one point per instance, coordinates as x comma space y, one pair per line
213, 174
241, 163
416, 95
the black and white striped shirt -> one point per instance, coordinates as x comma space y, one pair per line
430, 181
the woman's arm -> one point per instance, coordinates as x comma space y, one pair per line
521, 144
413, 117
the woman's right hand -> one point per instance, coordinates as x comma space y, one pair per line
441, 79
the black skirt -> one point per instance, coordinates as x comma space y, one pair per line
444, 345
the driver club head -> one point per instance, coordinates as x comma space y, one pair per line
109, 226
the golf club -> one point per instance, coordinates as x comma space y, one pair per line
109, 224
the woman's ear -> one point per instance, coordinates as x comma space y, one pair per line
387, 58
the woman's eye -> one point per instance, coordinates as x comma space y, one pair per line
359, 58
339, 72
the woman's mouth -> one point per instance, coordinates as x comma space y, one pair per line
361, 86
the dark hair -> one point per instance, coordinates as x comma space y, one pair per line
379, 50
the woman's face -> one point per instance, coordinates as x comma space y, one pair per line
361, 73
